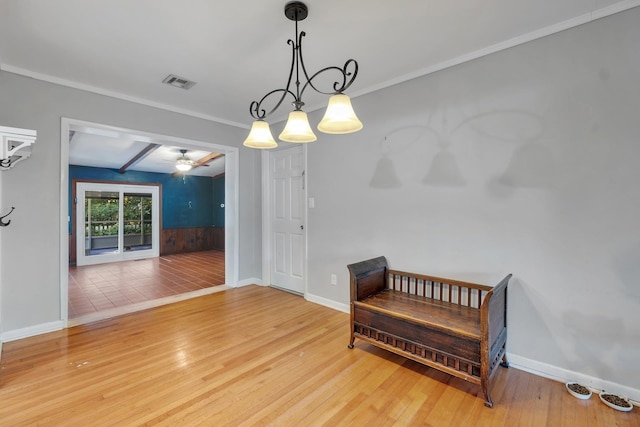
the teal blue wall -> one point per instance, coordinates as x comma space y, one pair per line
177, 192
218, 201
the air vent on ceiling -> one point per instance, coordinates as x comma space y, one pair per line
178, 81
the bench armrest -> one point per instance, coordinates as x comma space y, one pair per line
494, 312
368, 277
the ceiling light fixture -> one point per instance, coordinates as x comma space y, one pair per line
339, 117
183, 163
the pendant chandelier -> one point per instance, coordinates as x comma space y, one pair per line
339, 117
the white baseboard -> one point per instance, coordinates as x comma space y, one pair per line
249, 281
564, 375
328, 303
43, 328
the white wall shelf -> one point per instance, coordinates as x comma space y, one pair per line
16, 145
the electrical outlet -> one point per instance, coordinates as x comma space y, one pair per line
334, 279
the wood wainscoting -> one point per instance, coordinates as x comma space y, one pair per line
177, 241
183, 240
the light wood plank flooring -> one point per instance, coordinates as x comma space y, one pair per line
257, 356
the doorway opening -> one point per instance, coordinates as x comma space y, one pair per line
138, 233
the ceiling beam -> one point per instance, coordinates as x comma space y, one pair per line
201, 162
141, 155
206, 159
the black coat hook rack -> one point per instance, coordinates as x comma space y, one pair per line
2, 223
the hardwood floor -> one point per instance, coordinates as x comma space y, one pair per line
257, 356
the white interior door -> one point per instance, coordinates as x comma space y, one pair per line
287, 228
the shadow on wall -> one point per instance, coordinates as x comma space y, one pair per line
443, 170
593, 344
598, 338
532, 309
531, 164
385, 175
626, 265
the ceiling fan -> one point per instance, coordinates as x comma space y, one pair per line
183, 163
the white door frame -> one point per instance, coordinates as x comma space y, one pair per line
231, 216
267, 258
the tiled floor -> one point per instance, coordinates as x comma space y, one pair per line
95, 288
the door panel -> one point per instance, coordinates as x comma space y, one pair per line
281, 198
101, 219
287, 219
297, 260
138, 221
297, 198
280, 257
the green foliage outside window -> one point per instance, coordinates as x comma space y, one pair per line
104, 215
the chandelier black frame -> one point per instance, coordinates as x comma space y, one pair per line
297, 11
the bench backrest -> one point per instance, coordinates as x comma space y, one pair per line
438, 288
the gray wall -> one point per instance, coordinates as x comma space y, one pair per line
30, 266
546, 137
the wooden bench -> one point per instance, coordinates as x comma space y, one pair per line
457, 327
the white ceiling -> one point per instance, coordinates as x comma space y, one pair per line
237, 51
113, 150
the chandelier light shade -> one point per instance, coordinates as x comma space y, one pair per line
339, 117
260, 136
297, 128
